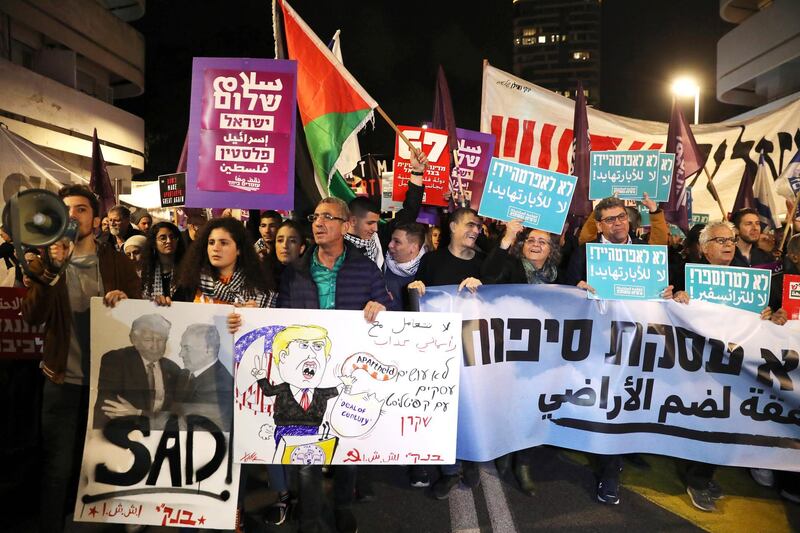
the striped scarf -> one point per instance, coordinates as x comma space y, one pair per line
234, 290
157, 284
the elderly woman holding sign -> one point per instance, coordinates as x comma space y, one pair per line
523, 256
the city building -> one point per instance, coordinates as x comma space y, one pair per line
557, 44
63, 65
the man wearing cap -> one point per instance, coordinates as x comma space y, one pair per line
142, 220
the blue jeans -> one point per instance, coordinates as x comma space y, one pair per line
64, 412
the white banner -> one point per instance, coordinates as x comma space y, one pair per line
158, 437
545, 365
326, 387
533, 126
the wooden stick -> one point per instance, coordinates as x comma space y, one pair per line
715, 193
790, 221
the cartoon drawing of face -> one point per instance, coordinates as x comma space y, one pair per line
302, 363
307, 454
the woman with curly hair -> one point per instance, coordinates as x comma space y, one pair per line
221, 266
161, 259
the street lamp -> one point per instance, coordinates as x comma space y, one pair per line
686, 86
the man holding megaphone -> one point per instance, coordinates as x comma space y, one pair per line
70, 274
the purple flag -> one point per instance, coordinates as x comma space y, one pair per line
445, 119
744, 197
99, 182
581, 206
688, 161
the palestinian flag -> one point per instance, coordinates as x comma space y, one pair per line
333, 106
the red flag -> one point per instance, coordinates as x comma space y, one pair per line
689, 160
581, 206
744, 197
99, 182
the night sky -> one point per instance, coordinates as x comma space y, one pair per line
394, 49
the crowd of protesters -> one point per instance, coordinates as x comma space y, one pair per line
340, 257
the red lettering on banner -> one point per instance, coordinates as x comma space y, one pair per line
526, 147
497, 131
563, 151
636, 145
512, 130
547, 138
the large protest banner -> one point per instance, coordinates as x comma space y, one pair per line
544, 365
241, 133
533, 126
310, 390
19, 340
158, 437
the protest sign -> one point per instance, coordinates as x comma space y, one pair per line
383, 392
627, 174
791, 296
742, 288
172, 189
699, 218
540, 198
626, 271
474, 155
544, 365
666, 163
241, 133
157, 448
436, 179
19, 340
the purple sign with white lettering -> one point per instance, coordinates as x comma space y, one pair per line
475, 151
241, 133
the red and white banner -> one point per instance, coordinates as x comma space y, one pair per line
433, 144
533, 126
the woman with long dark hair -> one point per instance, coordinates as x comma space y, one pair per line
161, 257
221, 266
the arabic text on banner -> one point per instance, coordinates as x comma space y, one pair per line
157, 448
626, 271
19, 340
540, 198
241, 133
544, 365
384, 392
742, 288
628, 174
475, 151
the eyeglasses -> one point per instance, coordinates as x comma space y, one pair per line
540, 242
724, 240
622, 217
166, 238
327, 217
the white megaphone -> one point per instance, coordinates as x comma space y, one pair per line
38, 218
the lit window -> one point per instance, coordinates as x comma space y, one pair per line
517, 41
528, 32
563, 38
528, 41
542, 39
581, 56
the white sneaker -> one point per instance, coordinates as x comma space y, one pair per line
762, 476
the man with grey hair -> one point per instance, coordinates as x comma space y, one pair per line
208, 387
119, 227
138, 380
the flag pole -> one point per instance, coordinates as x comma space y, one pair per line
714, 193
790, 220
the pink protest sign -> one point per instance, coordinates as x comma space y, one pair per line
241, 133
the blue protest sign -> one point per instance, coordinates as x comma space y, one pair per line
626, 271
666, 163
539, 197
742, 288
628, 174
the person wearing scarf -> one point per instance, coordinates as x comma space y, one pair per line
161, 258
402, 261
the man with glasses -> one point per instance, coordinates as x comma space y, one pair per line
119, 227
333, 275
612, 222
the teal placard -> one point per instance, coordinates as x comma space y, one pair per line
627, 174
699, 218
742, 288
626, 271
666, 164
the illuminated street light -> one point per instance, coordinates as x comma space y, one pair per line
685, 86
